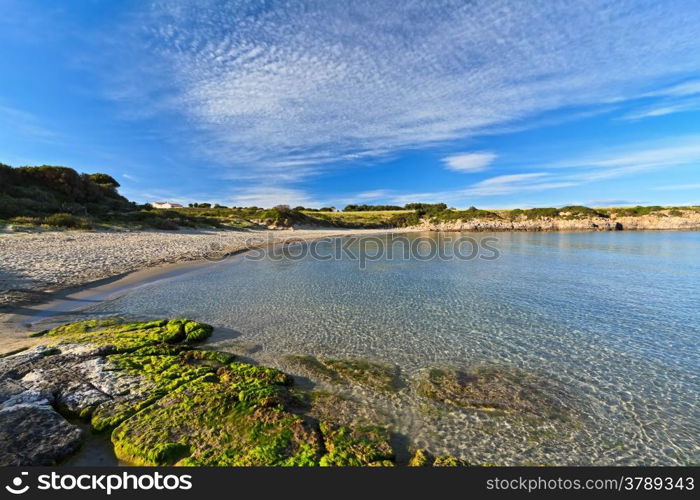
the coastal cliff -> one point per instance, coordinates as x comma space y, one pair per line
663, 220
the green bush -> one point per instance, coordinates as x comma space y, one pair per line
405, 219
26, 220
637, 211
370, 208
67, 220
164, 224
104, 180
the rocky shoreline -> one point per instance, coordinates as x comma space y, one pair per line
685, 221
163, 400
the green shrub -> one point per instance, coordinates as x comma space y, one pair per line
164, 224
104, 180
67, 220
26, 220
405, 219
637, 211
370, 208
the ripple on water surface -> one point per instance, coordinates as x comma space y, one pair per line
612, 319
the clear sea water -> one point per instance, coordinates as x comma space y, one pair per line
611, 318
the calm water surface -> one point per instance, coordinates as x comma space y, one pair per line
611, 318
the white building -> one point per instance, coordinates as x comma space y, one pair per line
165, 204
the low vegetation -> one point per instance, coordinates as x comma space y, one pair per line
55, 197
362, 219
60, 198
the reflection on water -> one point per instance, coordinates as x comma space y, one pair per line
612, 318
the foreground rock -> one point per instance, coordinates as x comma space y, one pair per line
164, 402
31, 432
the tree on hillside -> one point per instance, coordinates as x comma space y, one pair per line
104, 180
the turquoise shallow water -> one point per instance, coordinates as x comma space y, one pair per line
612, 318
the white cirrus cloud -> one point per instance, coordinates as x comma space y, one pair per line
373, 195
274, 86
628, 159
678, 187
663, 109
269, 196
469, 162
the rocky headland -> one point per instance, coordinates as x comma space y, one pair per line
669, 220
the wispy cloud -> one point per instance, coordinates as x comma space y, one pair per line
678, 187
469, 162
298, 86
635, 158
265, 196
27, 124
691, 87
663, 110
597, 166
679, 98
373, 195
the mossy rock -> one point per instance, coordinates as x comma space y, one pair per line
372, 375
178, 405
448, 461
493, 390
358, 446
421, 458
126, 337
210, 424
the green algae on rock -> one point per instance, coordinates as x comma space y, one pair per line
359, 446
421, 458
198, 407
169, 403
210, 422
125, 337
336, 371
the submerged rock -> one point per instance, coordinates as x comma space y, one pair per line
366, 373
343, 410
492, 389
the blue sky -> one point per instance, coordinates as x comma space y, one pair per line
487, 103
